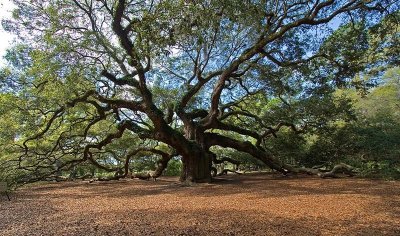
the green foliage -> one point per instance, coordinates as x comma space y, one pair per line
372, 142
174, 168
144, 163
289, 147
380, 170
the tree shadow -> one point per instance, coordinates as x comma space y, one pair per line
231, 205
154, 221
261, 186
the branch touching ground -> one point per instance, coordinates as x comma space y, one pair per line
337, 169
225, 172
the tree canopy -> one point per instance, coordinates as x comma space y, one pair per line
101, 82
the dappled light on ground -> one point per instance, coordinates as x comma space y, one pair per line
233, 205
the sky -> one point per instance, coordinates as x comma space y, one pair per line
5, 38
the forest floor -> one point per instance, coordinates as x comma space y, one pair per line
232, 205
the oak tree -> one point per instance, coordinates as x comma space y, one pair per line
101, 81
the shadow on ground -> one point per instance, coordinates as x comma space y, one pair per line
232, 205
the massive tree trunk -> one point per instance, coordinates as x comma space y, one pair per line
196, 167
198, 161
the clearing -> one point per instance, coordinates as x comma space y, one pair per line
233, 205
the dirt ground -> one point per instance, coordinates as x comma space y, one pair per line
233, 205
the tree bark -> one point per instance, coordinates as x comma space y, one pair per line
197, 167
338, 169
197, 162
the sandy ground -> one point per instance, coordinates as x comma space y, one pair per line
234, 205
